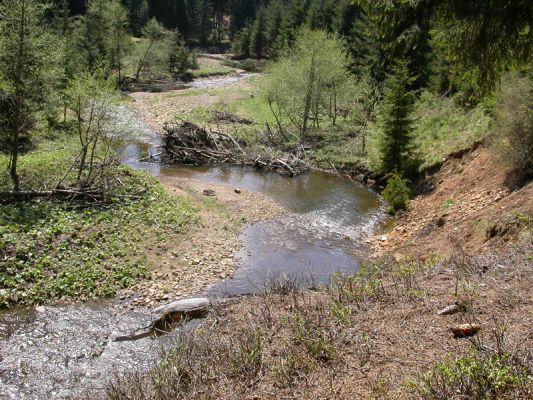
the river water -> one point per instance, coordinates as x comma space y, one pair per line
57, 352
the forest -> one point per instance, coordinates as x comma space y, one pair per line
424, 106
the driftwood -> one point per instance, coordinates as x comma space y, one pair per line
465, 330
170, 315
451, 309
91, 195
188, 143
71, 194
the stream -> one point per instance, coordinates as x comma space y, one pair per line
59, 352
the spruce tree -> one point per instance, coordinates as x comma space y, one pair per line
395, 117
137, 15
258, 39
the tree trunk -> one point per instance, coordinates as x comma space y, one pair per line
307, 105
13, 162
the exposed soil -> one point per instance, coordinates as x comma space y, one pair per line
467, 200
390, 334
204, 254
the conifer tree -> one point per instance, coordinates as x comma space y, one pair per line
395, 117
137, 15
258, 39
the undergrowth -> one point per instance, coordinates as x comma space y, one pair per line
57, 250
61, 249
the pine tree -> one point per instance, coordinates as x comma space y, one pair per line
241, 44
137, 15
258, 39
395, 117
101, 36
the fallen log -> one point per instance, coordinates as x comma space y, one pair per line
8, 196
94, 195
224, 116
169, 316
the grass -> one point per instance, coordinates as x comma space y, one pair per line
43, 166
442, 127
55, 250
207, 70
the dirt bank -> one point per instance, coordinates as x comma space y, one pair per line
189, 262
467, 200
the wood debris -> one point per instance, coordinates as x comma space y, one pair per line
188, 143
465, 330
224, 116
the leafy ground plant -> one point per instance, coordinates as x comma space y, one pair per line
474, 376
55, 250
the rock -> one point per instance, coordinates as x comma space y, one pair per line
40, 309
449, 310
465, 330
237, 190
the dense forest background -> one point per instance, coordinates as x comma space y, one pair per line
385, 55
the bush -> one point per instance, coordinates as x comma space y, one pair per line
397, 193
475, 376
513, 126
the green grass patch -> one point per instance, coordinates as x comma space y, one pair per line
207, 70
41, 168
442, 127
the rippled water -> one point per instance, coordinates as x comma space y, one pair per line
58, 352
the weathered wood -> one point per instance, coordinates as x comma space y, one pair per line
168, 317
92, 194
229, 117
188, 143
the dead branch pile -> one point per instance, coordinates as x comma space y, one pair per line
289, 164
223, 116
188, 143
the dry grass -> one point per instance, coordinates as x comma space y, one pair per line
371, 335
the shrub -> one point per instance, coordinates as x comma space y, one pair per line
474, 376
513, 126
397, 193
